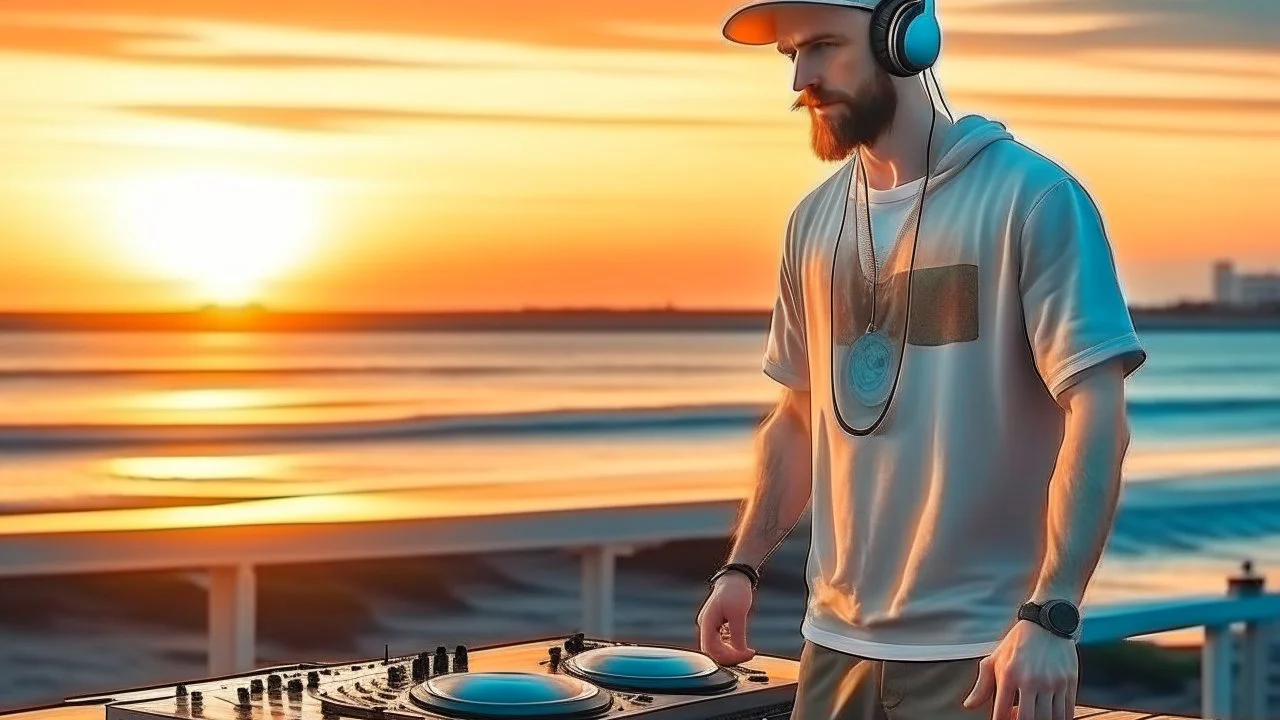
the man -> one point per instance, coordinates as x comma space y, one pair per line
952, 342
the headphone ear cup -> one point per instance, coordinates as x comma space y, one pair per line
921, 39
889, 22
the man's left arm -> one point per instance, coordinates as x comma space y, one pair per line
1084, 346
1085, 487
1033, 668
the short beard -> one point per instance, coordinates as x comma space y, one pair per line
862, 121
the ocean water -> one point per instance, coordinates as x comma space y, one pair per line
93, 421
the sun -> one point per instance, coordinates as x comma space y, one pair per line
225, 232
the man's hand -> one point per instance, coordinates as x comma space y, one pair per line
1037, 667
726, 606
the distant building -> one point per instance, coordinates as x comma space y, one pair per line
1242, 289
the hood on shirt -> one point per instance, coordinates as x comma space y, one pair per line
966, 138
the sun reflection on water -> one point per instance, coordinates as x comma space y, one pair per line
196, 467
208, 399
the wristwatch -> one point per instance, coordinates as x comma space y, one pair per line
1060, 617
752, 574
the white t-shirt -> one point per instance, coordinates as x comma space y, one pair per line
889, 210
928, 534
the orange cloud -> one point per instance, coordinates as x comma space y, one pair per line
331, 119
554, 22
1234, 105
1234, 24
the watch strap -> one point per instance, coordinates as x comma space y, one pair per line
1030, 611
752, 574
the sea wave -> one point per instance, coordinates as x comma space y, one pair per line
691, 417
1146, 407
1198, 513
577, 421
296, 371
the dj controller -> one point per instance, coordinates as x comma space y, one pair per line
572, 678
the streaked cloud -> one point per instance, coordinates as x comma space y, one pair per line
1144, 129
561, 23
1164, 115
1137, 24
346, 119
165, 40
1159, 104
690, 25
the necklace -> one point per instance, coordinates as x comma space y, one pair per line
871, 356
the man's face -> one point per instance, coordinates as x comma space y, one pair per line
851, 99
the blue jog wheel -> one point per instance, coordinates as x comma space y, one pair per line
870, 362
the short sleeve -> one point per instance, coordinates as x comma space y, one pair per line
786, 356
1075, 311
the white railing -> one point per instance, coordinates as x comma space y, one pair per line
1233, 669
232, 543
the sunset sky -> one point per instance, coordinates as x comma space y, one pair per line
418, 154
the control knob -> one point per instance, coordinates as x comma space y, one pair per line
554, 657
575, 643
460, 658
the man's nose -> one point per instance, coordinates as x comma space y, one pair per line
806, 75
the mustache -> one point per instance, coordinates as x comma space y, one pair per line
810, 98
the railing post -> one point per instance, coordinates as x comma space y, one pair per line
1252, 651
597, 591
1253, 672
232, 613
1215, 674
599, 563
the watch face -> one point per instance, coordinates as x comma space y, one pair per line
1062, 616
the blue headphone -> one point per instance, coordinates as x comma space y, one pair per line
905, 36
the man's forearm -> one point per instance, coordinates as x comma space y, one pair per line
782, 489
1085, 488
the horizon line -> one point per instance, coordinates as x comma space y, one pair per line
256, 308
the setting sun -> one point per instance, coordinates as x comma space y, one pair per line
225, 232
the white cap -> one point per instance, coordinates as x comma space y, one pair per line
753, 23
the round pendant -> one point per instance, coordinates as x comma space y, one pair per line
870, 360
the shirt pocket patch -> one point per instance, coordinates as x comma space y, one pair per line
944, 305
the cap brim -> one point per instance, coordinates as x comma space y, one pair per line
754, 24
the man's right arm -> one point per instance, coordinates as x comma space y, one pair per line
783, 480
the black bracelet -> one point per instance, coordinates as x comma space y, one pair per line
743, 568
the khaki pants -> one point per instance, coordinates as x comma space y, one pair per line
837, 686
